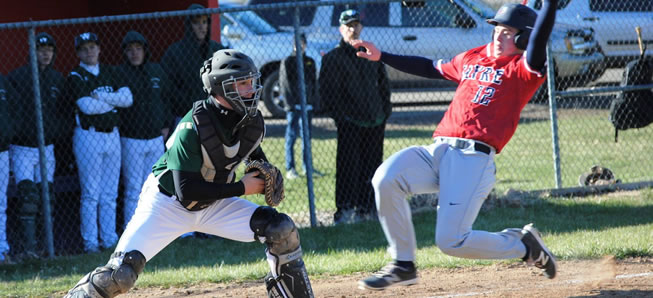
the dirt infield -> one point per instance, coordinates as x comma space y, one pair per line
587, 278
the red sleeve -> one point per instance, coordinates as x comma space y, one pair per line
451, 70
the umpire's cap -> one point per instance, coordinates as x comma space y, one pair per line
349, 15
84, 38
515, 15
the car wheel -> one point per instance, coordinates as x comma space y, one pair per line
272, 98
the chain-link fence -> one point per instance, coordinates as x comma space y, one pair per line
110, 156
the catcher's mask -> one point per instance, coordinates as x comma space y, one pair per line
517, 16
221, 75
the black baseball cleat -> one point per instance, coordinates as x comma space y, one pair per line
538, 254
388, 276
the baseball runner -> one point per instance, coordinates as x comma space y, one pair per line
143, 124
193, 188
97, 93
24, 151
495, 81
5, 139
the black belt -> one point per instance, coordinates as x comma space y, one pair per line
163, 191
98, 129
482, 148
463, 144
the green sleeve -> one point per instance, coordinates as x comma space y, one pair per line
185, 153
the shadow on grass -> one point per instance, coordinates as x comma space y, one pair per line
551, 216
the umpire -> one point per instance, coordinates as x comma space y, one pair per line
356, 94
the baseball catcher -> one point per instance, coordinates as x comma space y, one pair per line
193, 188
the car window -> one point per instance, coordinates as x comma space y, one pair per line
253, 22
285, 16
621, 5
372, 15
438, 13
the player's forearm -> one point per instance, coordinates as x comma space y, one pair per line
191, 186
418, 66
536, 50
91, 106
122, 98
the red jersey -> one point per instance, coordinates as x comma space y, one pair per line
490, 96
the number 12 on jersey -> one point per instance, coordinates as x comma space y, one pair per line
483, 95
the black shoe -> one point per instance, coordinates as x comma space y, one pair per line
388, 276
539, 254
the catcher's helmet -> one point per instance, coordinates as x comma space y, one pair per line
220, 74
518, 16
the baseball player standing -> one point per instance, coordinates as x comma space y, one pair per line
96, 91
5, 138
143, 124
193, 188
182, 59
495, 82
24, 151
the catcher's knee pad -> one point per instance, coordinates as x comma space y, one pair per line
112, 279
274, 229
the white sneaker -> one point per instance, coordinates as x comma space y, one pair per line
292, 174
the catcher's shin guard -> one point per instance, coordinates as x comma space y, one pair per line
30, 199
287, 276
113, 279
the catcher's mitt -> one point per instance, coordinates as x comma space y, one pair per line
273, 188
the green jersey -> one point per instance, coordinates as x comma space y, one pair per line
183, 153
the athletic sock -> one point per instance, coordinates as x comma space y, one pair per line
409, 265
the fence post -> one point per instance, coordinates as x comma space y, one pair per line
552, 113
305, 125
47, 218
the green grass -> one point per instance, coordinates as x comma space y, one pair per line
526, 163
574, 228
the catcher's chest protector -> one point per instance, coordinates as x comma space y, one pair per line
223, 159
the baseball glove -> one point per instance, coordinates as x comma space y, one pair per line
273, 188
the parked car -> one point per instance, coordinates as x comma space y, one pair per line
441, 29
613, 22
267, 45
